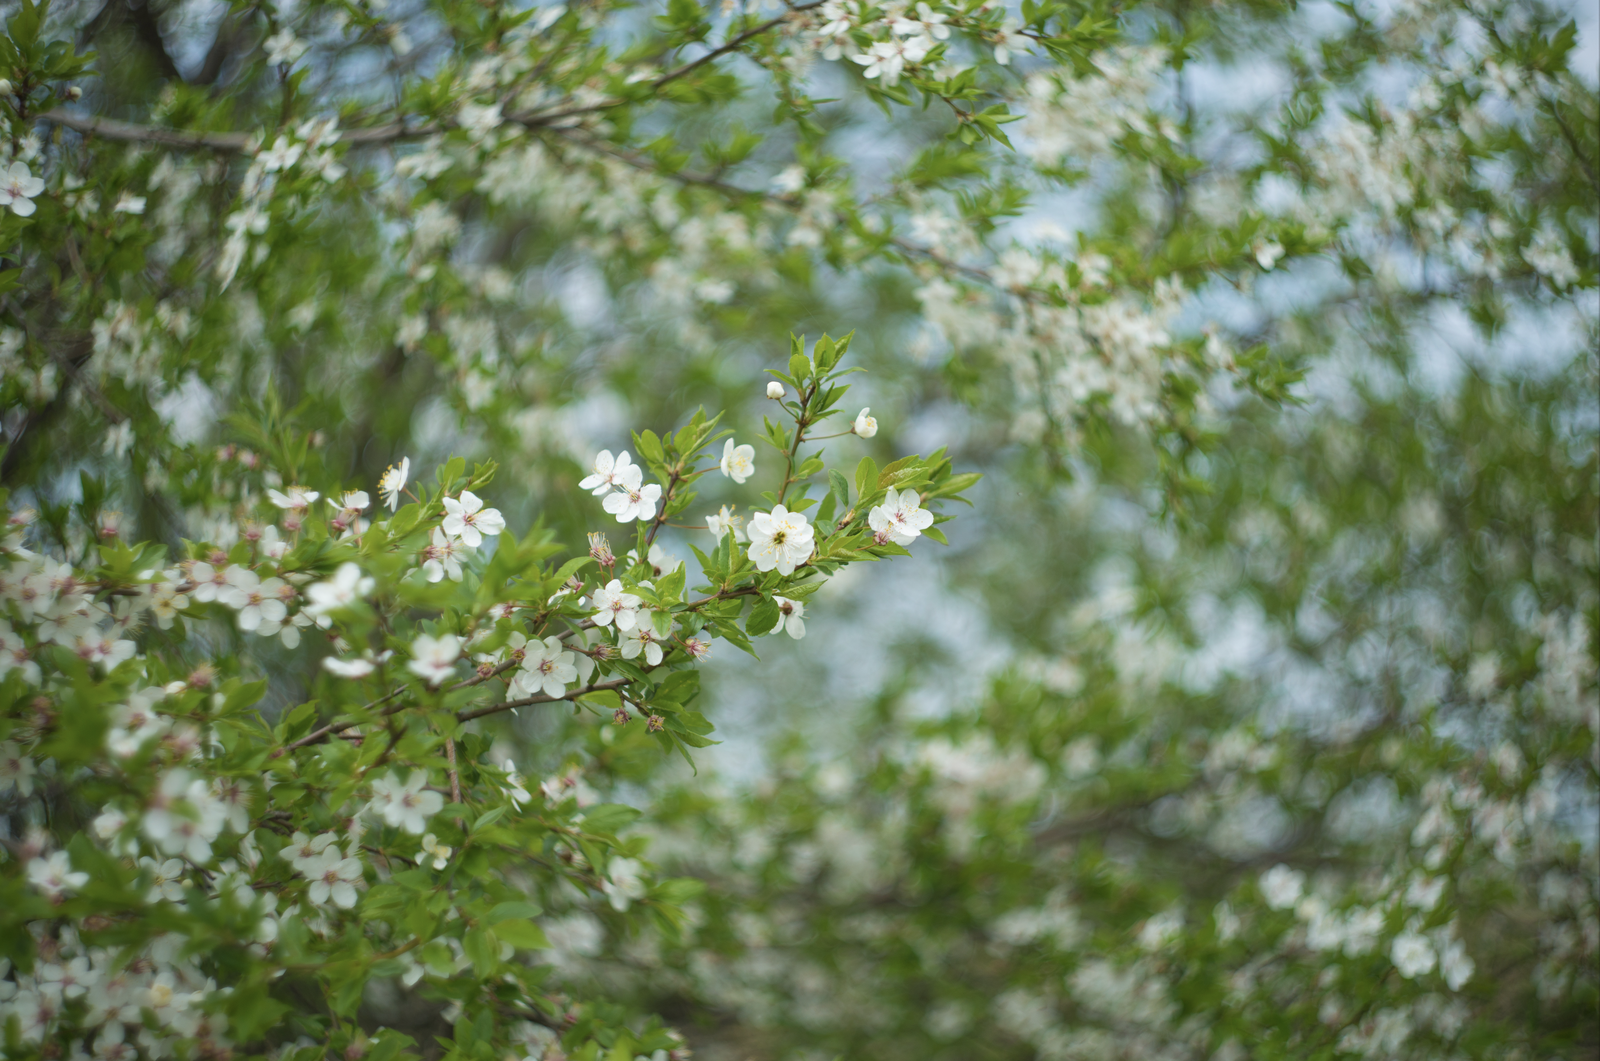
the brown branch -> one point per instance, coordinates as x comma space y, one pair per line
390, 132
455, 776
494, 709
317, 736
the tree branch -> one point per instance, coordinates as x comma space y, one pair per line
388, 133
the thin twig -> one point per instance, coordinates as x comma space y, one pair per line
455, 778
390, 132
494, 709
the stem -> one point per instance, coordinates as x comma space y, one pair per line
317, 736
494, 709
673, 481
801, 422
455, 778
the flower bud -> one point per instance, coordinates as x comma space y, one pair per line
74, 93
865, 426
775, 390
5, 86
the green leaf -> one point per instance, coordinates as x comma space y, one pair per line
840, 487
522, 934
489, 818
866, 478
800, 368
608, 817
605, 699
483, 950
763, 617
506, 911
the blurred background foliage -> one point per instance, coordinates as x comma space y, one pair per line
1345, 575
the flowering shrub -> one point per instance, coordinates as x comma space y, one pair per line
227, 881
257, 771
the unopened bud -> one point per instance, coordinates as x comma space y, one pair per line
74, 93
775, 390
5, 86
865, 426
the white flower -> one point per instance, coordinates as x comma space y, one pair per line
209, 582
775, 390
73, 979
441, 557
351, 668
129, 203
166, 880
348, 509
780, 539
394, 481
614, 605
547, 667
623, 883
1424, 892
738, 462
864, 425
1455, 966
407, 805
642, 639
469, 520
900, 519
927, 23
1282, 886
1267, 253
18, 186
1008, 40
433, 658
725, 522
304, 852
54, 875
440, 852
632, 501
297, 497
346, 587
283, 47
1412, 954
333, 877
608, 472
272, 547
792, 617
659, 559
16, 769
479, 120
887, 60
259, 602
